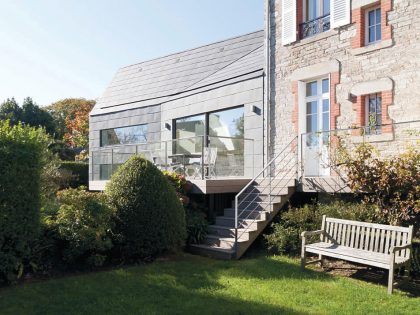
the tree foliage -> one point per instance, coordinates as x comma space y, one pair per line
72, 120
30, 114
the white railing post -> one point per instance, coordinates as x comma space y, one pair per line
202, 156
236, 226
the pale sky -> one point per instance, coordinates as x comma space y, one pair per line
50, 50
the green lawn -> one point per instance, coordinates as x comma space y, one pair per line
196, 285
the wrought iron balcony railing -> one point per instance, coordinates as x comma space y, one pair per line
315, 26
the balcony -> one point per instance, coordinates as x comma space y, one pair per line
315, 26
197, 158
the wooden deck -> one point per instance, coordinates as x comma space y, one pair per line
219, 185
200, 186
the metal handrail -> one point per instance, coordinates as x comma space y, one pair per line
268, 168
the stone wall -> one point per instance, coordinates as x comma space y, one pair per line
396, 60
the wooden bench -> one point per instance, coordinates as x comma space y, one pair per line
378, 245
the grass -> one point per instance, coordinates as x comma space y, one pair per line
196, 285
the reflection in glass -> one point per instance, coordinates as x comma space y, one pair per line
311, 88
189, 130
226, 132
124, 135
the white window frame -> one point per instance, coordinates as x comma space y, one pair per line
367, 114
319, 96
320, 10
367, 11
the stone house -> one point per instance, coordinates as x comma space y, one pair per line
252, 119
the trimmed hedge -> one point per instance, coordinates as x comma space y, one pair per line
22, 152
79, 172
149, 216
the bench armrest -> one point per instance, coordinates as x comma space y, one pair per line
309, 233
395, 249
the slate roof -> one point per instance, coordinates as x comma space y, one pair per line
159, 80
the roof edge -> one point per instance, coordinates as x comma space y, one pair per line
191, 49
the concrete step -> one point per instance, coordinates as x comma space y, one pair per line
242, 223
225, 231
222, 242
246, 214
257, 197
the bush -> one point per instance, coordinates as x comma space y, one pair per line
83, 227
392, 184
22, 151
195, 215
285, 237
76, 172
149, 216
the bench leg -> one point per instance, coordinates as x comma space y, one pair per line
303, 255
391, 280
321, 260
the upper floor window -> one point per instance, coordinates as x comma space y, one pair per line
373, 113
124, 135
316, 17
373, 25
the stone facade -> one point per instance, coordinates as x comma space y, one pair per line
395, 59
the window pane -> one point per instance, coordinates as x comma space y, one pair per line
227, 123
311, 88
372, 18
189, 126
311, 108
311, 123
124, 135
378, 16
325, 86
326, 7
325, 105
378, 32
312, 9
371, 34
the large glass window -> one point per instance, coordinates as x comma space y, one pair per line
227, 123
124, 135
188, 127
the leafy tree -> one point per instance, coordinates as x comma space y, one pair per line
35, 116
10, 110
71, 117
30, 114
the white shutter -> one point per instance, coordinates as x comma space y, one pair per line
288, 21
340, 13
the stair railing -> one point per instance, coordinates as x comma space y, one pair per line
284, 166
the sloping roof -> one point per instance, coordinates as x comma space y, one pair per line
159, 80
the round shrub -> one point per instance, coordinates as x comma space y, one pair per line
22, 152
149, 216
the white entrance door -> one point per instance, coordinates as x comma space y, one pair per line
317, 123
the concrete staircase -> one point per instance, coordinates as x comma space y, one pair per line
254, 207
256, 210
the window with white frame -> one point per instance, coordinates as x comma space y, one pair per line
317, 111
316, 15
373, 113
373, 25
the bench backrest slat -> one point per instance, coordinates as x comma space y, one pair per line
367, 236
